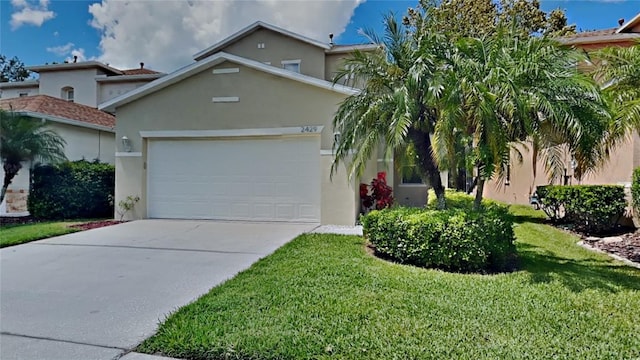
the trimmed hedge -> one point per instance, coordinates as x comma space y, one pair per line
72, 190
635, 190
453, 239
590, 208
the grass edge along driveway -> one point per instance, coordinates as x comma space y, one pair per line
23, 233
323, 296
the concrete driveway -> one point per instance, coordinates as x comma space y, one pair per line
98, 293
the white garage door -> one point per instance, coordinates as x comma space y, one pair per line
256, 179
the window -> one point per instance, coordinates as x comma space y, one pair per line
291, 65
67, 93
410, 176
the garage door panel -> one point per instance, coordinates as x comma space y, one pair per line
265, 180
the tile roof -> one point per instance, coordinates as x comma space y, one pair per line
49, 106
139, 71
588, 34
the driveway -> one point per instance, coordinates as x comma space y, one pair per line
98, 293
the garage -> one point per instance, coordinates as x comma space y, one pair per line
249, 179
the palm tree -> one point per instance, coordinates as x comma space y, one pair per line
396, 104
502, 90
26, 139
619, 70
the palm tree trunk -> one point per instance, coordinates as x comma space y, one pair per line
426, 164
477, 203
10, 171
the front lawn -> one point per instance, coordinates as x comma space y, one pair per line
20, 234
323, 296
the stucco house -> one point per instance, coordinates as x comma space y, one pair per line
521, 182
244, 133
66, 96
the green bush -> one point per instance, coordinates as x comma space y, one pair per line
590, 208
72, 190
635, 190
456, 239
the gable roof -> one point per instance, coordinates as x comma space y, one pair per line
251, 29
630, 24
213, 60
58, 110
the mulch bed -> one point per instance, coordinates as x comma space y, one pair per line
95, 224
625, 245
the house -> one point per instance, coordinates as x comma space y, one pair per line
67, 95
244, 133
521, 182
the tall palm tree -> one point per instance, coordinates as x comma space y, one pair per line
502, 90
396, 105
26, 139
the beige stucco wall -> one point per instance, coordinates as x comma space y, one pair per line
81, 80
109, 90
15, 92
617, 170
278, 48
265, 101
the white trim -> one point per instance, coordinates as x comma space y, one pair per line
225, 99
194, 68
287, 62
66, 121
19, 84
248, 30
385, 160
340, 49
401, 184
128, 154
298, 130
125, 78
601, 38
326, 152
226, 71
625, 26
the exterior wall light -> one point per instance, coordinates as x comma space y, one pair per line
126, 144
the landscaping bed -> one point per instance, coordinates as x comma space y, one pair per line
626, 245
95, 224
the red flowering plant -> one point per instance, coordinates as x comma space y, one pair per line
377, 195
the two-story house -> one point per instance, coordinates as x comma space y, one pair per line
522, 181
67, 96
243, 133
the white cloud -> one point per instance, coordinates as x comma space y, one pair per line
30, 13
61, 50
165, 34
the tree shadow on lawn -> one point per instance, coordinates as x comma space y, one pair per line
577, 275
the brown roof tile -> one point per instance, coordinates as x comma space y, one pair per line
588, 34
48, 105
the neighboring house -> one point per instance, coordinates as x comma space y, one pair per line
67, 95
521, 182
243, 133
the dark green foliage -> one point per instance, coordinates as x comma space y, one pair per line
590, 208
635, 189
457, 239
72, 190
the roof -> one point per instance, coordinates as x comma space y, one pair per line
19, 84
339, 49
251, 29
599, 36
213, 60
128, 78
54, 109
139, 71
630, 24
73, 66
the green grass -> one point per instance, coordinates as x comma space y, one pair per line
323, 296
20, 234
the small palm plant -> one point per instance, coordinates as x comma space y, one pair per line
26, 139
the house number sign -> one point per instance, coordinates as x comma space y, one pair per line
308, 129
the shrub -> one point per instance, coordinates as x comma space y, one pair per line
378, 195
635, 190
455, 239
72, 190
590, 208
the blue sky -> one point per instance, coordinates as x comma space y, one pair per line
164, 34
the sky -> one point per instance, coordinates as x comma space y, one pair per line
164, 34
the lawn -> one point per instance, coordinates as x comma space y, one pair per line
323, 296
20, 234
